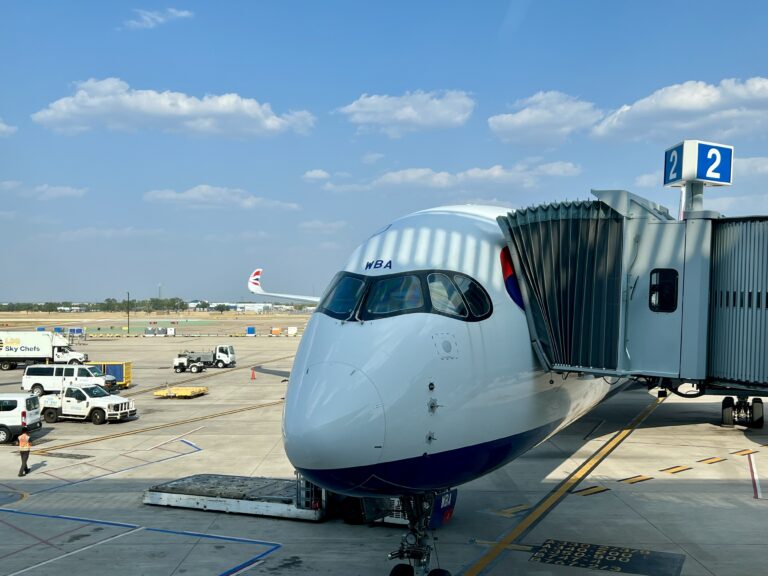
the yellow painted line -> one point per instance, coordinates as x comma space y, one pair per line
509, 512
713, 460
675, 469
153, 428
590, 491
544, 506
636, 479
744, 452
514, 547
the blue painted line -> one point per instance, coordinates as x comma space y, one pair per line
239, 568
191, 444
68, 484
272, 546
213, 536
72, 518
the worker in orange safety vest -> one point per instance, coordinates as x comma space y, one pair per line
24, 445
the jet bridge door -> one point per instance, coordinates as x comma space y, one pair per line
654, 262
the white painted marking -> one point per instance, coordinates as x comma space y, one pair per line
76, 551
172, 439
758, 493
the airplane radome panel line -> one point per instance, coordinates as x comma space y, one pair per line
254, 285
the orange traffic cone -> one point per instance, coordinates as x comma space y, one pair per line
253, 373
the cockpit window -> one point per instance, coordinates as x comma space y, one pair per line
394, 294
342, 299
445, 297
474, 295
361, 298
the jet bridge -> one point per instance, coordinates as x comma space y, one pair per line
617, 287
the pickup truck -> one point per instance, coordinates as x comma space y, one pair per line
86, 403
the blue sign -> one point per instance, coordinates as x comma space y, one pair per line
673, 165
714, 163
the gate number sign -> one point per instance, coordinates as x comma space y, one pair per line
697, 161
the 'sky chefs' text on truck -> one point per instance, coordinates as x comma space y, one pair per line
36, 347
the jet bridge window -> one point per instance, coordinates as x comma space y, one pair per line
663, 292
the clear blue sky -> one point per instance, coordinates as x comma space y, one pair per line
185, 144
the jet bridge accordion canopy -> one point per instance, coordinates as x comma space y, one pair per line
568, 259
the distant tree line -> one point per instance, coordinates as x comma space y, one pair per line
109, 305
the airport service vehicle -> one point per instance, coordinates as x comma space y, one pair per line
86, 402
36, 347
183, 362
43, 378
18, 411
222, 356
457, 338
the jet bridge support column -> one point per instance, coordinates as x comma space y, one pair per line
695, 293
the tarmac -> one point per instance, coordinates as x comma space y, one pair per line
637, 486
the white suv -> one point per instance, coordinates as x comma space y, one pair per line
18, 411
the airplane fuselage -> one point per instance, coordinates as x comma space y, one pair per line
416, 373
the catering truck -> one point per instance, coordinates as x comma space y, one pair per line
36, 348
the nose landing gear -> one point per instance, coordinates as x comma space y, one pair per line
416, 546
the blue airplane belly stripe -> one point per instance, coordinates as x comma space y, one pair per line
429, 472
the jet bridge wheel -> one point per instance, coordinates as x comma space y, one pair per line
727, 411
402, 570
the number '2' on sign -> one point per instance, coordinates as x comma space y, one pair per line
696, 161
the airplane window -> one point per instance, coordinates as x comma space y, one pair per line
342, 299
445, 297
393, 295
474, 295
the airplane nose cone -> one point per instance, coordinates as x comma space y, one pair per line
334, 418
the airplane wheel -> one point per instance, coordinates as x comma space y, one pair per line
402, 570
728, 411
438, 572
757, 413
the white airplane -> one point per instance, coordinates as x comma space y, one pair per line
416, 373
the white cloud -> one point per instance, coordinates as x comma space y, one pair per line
738, 205
320, 227
750, 167
397, 115
650, 180
546, 117
247, 236
5, 129
372, 157
315, 175
113, 104
204, 195
526, 174
729, 108
7, 215
152, 18
9, 184
47, 192
99, 233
